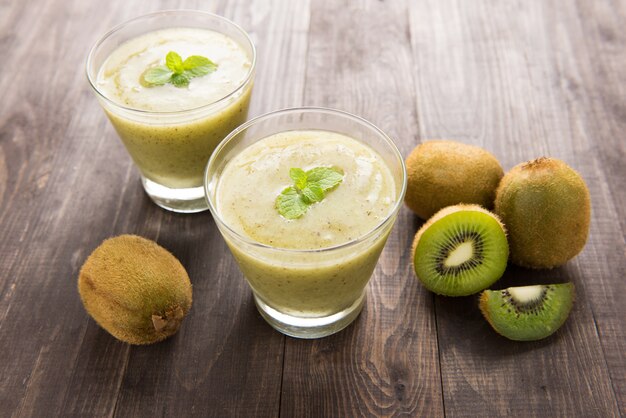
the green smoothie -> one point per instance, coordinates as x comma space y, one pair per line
177, 129
298, 266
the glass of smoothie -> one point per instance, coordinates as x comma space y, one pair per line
173, 84
305, 199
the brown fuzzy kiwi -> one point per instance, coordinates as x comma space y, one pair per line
135, 289
546, 208
442, 173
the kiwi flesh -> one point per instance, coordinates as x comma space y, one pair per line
546, 208
460, 251
527, 313
442, 173
135, 289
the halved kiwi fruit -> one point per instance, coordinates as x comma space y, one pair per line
527, 313
460, 251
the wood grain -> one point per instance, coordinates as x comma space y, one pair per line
491, 81
64, 196
40, 329
385, 364
595, 92
521, 79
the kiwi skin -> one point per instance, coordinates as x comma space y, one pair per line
135, 289
467, 289
442, 173
530, 321
546, 207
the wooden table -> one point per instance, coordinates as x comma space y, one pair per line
521, 79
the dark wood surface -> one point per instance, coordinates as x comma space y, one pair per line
522, 79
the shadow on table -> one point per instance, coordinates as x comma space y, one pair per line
460, 322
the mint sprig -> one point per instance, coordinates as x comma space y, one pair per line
176, 71
309, 187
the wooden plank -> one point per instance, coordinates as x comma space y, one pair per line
385, 364
44, 202
594, 83
521, 80
69, 184
280, 32
491, 75
233, 364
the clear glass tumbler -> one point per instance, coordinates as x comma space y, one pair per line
307, 293
171, 148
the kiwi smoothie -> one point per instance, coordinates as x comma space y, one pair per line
167, 151
297, 278
169, 131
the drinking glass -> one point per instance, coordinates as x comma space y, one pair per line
317, 292
171, 148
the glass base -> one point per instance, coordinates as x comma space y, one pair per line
308, 328
189, 200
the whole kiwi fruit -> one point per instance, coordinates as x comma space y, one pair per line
442, 173
546, 208
461, 250
135, 289
527, 313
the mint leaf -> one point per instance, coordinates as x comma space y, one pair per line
299, 177
200, 71
310, 187
313, 193
325, 177
176, 71
197, 66
179, 80
156, 76
193, 61
174, 62
290, 203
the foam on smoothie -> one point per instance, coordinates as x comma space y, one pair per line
119, 77
252, 180
172, 149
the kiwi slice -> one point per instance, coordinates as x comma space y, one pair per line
527, 313
460, 251
135, 289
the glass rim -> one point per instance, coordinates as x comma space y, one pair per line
389, 142
128, 22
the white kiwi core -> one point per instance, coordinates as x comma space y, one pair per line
459, 255
526, 294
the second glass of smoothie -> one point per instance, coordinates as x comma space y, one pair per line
170, 131
308, 273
